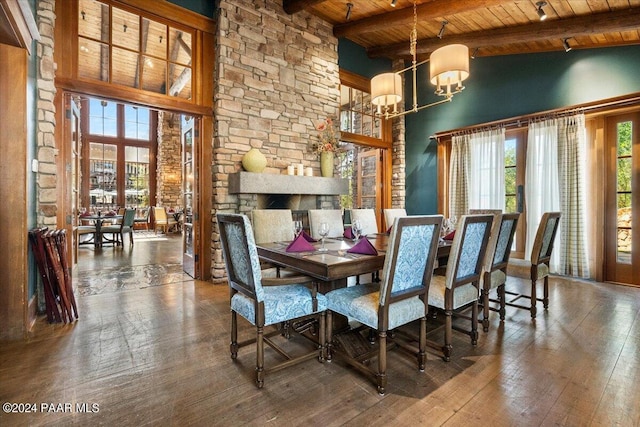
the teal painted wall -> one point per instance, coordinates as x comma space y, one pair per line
509, 86
203, 7
353, 57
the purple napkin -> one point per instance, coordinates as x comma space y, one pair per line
307, 237
364, 247
348, 233
450, 236
300, 244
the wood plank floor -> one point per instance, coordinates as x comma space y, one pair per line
151, 348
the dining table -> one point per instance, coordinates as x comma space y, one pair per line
336, 263
332, 267
98, 220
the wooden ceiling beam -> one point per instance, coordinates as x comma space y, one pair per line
426, 11
616, 21
294, 6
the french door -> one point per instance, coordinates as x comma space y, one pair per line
369, 182
190, 126
622, 199
72, 176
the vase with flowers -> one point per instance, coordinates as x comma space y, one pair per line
326, 146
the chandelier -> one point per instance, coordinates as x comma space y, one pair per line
448, 68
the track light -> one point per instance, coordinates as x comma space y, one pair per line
349, 6
393, 3
475, 53
441, 32
567, 46
541, 12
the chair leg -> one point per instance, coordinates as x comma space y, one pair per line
131, 237
484, 294
322, 336
446, 349
474, 323
260, 357
233, 347
382, 362
545, 300
422, 345
534, 299
502, 295
329, 340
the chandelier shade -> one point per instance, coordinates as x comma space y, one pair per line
386, 89
449, 64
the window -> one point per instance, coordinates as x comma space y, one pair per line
123, 48
120, 155
357, 114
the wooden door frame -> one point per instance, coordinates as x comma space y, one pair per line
611, 270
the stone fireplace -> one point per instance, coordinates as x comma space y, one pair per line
272, 191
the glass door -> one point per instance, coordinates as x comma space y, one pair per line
73, 171
622, 200
369, 182
190, 126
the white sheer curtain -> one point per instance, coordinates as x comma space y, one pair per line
486, 174
542, 191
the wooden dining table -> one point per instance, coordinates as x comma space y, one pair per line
98, 219
333, 267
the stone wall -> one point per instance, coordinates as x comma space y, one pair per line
398, 173
169, 160
46, 151
276, 76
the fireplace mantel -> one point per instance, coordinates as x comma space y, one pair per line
266, 183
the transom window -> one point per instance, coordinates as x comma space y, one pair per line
124, 48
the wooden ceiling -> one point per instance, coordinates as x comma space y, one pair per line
487, 27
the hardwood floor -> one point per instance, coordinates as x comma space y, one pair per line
151, 347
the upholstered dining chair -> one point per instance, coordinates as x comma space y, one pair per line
162, 220
118, 230
391, 214
538, 265
142, 218
265, 302
333, 217
494, 274
459, 288
367, 218
272, 225
399, 298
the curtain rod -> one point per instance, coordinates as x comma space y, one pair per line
519, 121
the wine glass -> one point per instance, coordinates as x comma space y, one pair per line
297, 228
323, 231
356, 229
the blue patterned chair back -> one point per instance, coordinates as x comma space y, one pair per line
408, 264
468, 249
240, 255
545, 236
508, 225
489, 254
